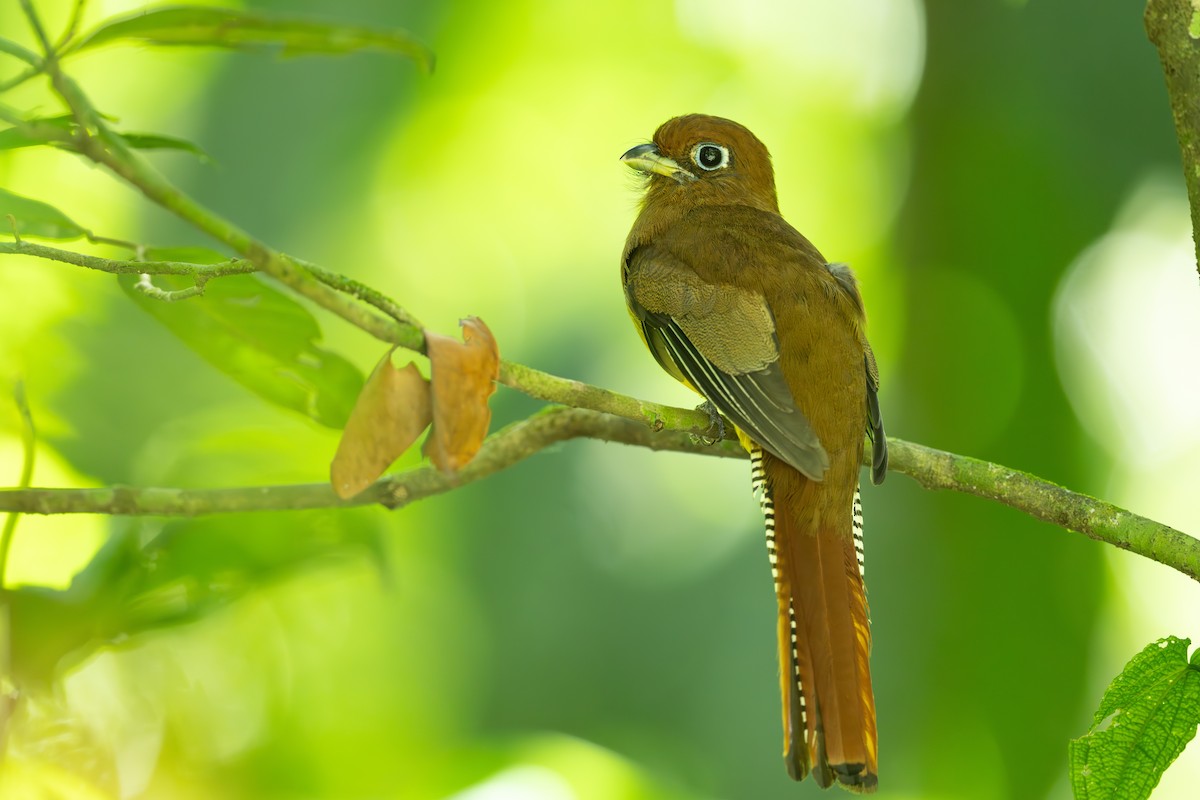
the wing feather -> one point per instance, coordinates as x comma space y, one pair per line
758, 402
879, 452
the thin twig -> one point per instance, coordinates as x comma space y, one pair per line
362, 292
19, 78
121, 267
36, 23
29, 448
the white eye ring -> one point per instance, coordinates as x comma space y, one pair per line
710, 155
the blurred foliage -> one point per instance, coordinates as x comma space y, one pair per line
596, 622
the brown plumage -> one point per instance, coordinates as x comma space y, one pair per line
734, 302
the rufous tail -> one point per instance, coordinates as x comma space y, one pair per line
824, 633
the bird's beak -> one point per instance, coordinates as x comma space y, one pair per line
646, 158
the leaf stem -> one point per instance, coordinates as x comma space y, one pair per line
147, 287
72, 26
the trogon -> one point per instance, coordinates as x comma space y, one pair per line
731, 300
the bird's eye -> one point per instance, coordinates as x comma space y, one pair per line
709, 156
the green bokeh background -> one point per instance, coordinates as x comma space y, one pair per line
598, 621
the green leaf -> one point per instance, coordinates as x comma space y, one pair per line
1154, 706
243, 30
262, 339
35, 219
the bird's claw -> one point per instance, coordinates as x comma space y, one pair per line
715, 422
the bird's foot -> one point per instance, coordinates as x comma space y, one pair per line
715, 423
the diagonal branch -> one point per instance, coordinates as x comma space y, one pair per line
1170, 26
1040, 499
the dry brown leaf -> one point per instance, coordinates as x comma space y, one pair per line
464, 377
391, 412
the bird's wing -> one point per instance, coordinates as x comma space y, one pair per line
720, 339
879, 454
879, 447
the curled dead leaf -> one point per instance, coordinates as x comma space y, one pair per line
391, 412
463, 377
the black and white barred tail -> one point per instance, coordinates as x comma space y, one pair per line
824, 637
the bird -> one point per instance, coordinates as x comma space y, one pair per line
735, 303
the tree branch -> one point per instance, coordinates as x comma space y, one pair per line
933, 469
1173, 27
1096, 519
502, 449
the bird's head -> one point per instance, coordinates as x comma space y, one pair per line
698, 159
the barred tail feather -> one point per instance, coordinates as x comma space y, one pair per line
797, 730
824, 639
